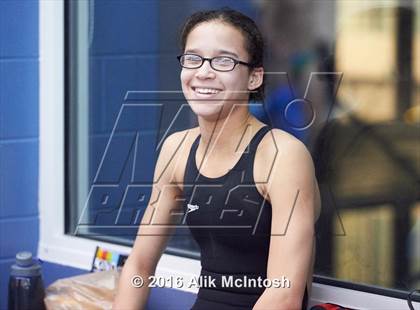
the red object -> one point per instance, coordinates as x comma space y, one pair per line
104, 253
329, 306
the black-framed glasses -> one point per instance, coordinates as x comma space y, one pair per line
219, 63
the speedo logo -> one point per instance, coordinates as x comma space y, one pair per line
192, 208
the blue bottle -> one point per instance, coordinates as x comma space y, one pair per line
26, 288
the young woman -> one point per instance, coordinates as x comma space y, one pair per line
257, 200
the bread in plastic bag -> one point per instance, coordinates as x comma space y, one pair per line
88, 292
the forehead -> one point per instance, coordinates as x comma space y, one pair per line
215, 36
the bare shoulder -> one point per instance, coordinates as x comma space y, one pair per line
279, 146
283, 143
177, 140
280, 154
283, 159
174, 153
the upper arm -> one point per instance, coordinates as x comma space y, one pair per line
158, 221
293, 192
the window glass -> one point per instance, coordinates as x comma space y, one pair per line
342, 76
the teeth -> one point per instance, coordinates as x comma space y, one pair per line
206, 90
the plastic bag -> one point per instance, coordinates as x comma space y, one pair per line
90, 291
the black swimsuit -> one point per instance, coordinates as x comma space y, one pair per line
231, 223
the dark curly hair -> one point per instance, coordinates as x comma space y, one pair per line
254, 43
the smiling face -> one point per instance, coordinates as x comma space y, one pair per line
206, 89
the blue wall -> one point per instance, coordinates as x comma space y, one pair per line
19, 135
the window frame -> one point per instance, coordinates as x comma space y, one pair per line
57, 247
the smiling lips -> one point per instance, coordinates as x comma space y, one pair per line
205, 91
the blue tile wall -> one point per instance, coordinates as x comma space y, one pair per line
19, 29
5, 265
18, 178
19, 89
17, 234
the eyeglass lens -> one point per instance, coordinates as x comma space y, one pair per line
220, 63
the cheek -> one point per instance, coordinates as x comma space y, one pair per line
238, 83
239, 79
185, 77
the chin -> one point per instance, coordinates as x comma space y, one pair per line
206, 109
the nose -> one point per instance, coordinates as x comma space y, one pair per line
205, 71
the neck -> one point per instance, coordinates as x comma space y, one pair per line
225, 133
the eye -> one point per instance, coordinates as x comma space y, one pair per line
223, 61
191, 59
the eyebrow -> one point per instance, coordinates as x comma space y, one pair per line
219, 52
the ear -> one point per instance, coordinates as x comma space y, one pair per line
256, 78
